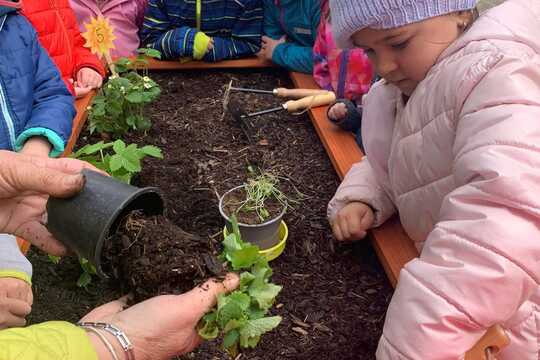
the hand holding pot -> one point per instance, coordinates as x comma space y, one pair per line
161, 327
25, 183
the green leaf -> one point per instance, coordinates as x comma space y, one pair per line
130, 161
232, 243
232, 306
243, 258
90, 149
84, 280
209, 329
134, 97
230, 340
54, 259
116, 163
264, 295
234, 324
119, 146
251, 332
150, 52
152, 150
245, 279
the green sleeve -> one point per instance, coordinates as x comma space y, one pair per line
53, 340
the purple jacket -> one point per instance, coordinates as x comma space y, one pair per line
125, 15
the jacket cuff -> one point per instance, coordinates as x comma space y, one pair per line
99, 69
56, 141
200, 45
16, 274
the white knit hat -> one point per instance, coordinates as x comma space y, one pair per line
350, 16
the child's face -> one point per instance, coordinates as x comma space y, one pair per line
404, 55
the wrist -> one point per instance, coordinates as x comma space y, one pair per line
101, 349
37, 146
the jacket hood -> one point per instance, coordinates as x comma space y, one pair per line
7, 6
513, 20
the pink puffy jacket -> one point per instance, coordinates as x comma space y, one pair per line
460, 162
125, 15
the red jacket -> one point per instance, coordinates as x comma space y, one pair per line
58, 31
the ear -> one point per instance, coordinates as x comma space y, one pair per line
465, 18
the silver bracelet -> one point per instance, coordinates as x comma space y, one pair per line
116, 332
103, 339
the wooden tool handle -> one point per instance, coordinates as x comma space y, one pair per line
298, 93
494, 338
310, 102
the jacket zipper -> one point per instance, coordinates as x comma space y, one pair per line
7, 116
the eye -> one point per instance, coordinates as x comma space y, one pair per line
369, 52
401, 45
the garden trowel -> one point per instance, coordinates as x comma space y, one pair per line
292, 106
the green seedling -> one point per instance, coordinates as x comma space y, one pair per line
88, 271
258, 190
116, 158
119, 104
241, 317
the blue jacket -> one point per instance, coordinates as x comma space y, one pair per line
298, 20
235, 25
34, 100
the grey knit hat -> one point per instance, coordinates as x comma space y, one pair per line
349, 16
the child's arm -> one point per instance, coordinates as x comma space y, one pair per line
480, 264
173, 43
246, 35
290, 55
52, 111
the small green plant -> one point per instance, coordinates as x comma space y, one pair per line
240, 317
258, 190
116, 158
119, 105
88, 271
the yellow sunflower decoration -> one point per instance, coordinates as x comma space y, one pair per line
99, 36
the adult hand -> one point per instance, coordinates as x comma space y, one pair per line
352, 222
25, 183
269, 45
88, 78
161, 327
16, 300
337, 111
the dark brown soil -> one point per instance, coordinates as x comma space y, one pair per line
334, 297
232, 205
150, 256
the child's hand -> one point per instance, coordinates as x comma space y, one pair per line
268, 47
211, 44
16, 300
88, 78
37, 146
351, 222
337, 112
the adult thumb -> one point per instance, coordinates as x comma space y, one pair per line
106, 310
204, 297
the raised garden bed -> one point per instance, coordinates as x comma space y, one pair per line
333, 299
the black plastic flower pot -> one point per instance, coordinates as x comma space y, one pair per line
265, 235
85, 221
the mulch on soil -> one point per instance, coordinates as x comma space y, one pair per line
334, 297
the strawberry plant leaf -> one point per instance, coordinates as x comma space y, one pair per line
119, 146
115, 163
153, 151
251, 332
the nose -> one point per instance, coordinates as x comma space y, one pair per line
386, 64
